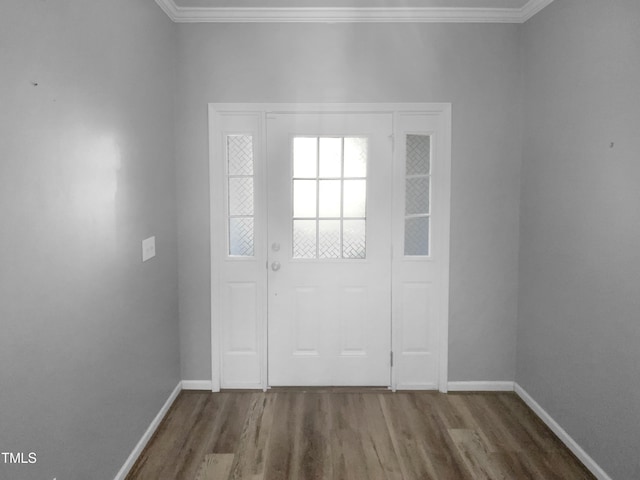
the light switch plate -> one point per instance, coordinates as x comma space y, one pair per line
148, 248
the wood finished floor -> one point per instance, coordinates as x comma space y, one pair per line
359, 435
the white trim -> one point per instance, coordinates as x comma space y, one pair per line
257, 107
481, 386
137, 450
350, 14
197, 385
215, 203
532, 7
445, 182
577, 450
170, 8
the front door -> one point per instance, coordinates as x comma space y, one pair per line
329, 248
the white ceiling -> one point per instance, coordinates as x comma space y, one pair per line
338, 11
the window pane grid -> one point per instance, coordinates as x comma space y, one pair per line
321, 172
240, 195
417, 217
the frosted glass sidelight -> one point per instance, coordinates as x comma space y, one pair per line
240, 154
416, 236
355, 198
305, 157
330, 157
304, 239
353, 239
241, 237
417, 195
418, 154
330, 199
304, 198
329, 239
355, 157
241, 196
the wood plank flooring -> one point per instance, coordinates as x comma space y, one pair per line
336, 434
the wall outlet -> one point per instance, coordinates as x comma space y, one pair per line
148, 248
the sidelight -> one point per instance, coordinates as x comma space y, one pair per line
240, 187
417, 195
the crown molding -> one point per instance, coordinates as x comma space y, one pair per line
532, 7
350, 15
170, 8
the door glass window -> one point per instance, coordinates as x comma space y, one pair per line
329, 197
417, 195
240, 195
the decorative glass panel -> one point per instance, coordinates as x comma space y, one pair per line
416, 236
304, 198
329, 239
241, 196
418, 154
329, 199
304, 239
330, 157
355, 157
355, 198
240, 153
417, 195
305, 157
240, 191
241, 237
353, 239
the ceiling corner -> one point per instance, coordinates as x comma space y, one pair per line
170, 8
532, 7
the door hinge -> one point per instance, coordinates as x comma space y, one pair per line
391, 355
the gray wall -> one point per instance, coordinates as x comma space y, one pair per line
476, 67
89, 334
89, 349
579, 320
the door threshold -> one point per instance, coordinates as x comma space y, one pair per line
330, 389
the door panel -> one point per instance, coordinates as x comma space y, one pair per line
419, 249
329, 280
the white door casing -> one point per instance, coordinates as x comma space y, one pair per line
420, 274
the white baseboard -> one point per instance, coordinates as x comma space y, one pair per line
577, 450
480, 386
137, 450
196, 385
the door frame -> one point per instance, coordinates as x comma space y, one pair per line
257, 113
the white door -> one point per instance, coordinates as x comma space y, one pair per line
329, 248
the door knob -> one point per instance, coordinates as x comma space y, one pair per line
275, 266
